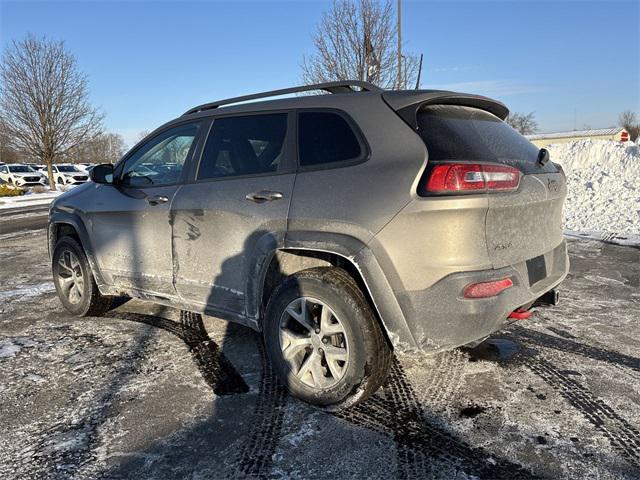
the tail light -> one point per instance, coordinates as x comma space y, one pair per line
487, 289
472, 177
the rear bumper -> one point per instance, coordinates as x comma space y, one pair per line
440, 318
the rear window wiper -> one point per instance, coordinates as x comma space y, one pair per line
543, 157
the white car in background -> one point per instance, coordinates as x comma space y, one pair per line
69, 174
21, 175
85, 167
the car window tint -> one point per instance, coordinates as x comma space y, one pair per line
325, 137
244, 146
161, 159
452, 132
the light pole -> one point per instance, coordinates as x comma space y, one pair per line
399, 28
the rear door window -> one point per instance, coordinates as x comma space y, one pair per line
457, 133
324, 138
248, 145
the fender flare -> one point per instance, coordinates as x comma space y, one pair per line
352, 250
57, 217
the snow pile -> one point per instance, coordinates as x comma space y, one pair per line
603, 185
30, 199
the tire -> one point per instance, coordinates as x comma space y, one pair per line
74, 282
353, 362
60, 181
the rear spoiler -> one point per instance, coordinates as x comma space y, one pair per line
406, 103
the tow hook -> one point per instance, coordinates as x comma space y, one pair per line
520, 314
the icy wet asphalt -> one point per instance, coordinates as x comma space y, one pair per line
151, 392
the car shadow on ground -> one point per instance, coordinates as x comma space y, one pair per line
426, 445
216, 370
422, 443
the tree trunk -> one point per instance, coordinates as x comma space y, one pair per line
49, 161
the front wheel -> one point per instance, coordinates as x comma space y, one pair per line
324, 340
74, 282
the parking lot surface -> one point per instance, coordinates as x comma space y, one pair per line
151, 392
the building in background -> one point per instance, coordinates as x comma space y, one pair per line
618, 134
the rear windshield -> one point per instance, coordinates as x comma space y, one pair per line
453, 132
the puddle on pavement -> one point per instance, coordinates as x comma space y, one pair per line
494, 350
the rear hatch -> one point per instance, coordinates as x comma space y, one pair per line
520, 224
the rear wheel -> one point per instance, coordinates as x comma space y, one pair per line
324, 340
74, 280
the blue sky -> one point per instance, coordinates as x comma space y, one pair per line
572, 62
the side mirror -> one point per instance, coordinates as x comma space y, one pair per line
102, 174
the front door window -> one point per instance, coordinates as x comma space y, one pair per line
161, 160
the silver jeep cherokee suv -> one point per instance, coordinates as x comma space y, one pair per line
342, 226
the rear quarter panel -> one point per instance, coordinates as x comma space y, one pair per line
358, 200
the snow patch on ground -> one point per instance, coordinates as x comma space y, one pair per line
603, 179
30, 199
296, 438
9, 347
26, 291
628, 239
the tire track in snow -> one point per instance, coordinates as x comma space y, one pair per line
256, 455
566, 345
624, 437
399, 414
216, 370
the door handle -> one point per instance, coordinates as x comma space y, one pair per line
264, 196
157, 199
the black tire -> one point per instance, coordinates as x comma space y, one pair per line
91, 302
60, 181
369, 355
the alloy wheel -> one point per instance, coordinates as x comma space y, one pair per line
314, 343
70, 277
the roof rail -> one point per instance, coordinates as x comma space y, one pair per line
341, 86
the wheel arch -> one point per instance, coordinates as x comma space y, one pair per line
358, 262
63, 223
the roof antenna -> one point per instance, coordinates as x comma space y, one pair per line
419, 72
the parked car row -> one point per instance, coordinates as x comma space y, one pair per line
31, 175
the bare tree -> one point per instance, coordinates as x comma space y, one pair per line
629, 121
105, 148
44, 100
142, 134
526, 124
356, 40
8, 153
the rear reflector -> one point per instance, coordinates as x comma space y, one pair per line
470, 177
487, 289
